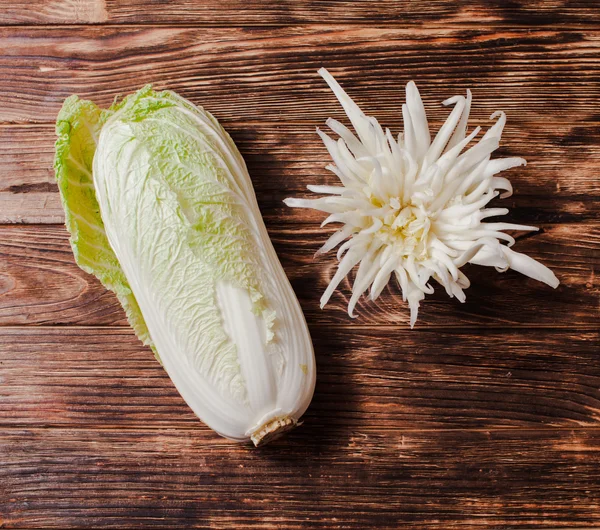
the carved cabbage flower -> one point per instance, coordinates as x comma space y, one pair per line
415, 208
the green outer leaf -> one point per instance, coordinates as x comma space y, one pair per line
78, 127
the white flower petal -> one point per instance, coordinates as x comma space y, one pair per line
502, 164
359, 121
335, 239
345, 134
461, 128
383, 276
501, 183
326, 190
444, 134
529, 267
346, 175
410, 140
344, 267
367, 270
418, 119
496, 130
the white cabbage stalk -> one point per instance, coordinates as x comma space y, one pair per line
161, 209
412, 207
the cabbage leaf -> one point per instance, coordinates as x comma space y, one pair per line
78, 127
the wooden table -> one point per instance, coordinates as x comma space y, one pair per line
486, 415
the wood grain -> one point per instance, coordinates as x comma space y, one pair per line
559, 184
368, 378
269, 75
487, 415
291, 12
41, 284
375, 479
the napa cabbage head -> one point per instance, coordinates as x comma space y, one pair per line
161, 209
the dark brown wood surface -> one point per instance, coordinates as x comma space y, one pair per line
486, 415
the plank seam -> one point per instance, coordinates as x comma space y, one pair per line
457, 329
415, 23
146, 428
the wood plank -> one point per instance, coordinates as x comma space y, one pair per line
367, 377
40, 283
54, 12
388, 478
291, 12
269, 75
28, 190
559, 184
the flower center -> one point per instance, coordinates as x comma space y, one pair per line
405, 228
